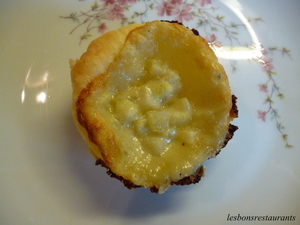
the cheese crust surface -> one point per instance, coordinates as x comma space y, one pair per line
152, 102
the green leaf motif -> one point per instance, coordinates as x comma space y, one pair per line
219, 18
280, 96
273, 48
85, 36
94, 6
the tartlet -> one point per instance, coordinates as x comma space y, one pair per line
153, 104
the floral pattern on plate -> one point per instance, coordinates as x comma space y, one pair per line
209, 17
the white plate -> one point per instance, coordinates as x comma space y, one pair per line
48, 177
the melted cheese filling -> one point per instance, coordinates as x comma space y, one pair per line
167, 104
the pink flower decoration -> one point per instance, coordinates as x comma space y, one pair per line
262, 115
126, 2
102, 28
182, 13
176, 2
115, 12
165, 8
263, 88
267, 64
211, 38
203, 2
264, 51
108, 2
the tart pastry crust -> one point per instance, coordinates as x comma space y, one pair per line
153, 103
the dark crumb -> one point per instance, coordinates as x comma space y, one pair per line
195, 32
229, 135
231, 128
234, 110
172, 21
175, 21
154, 189
192, 179
127, 183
